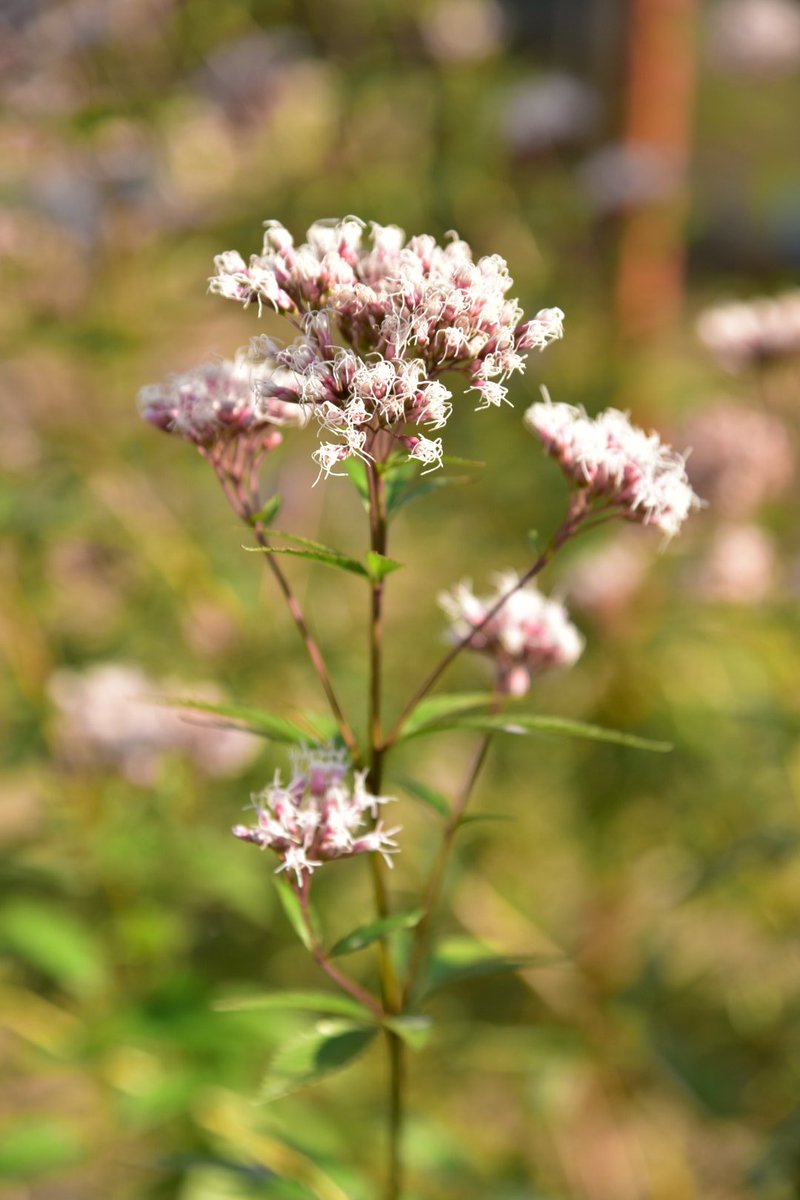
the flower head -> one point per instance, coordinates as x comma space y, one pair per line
614, 461
213, 403
318, 815
382, 317
527, 635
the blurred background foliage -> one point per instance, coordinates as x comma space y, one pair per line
634, 160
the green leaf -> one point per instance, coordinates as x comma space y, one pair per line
55, 943
436, 708
414, 1029
290, 903
426, 795
379, 566
314, 551
365, 935
463, 958
330, 1003
526, 723
277, 729
267, 514
329, 1047
357, 470
37, 1146
474, 818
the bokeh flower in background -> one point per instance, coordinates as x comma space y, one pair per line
530, 634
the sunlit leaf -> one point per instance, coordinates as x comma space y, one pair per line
445, 704
330, 1046
357, 470
53, 942
379, 566
463, 958
277, 729
290, 903
523, 724
328, 1003
37, 1146
365, 935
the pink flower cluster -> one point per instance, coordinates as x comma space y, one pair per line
213, 403
528, 634
406, 311
318, 816
748, 333
634, 472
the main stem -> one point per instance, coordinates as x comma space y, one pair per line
390, 987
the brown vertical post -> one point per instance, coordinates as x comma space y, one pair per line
657, 114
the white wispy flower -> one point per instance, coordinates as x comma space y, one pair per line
612, 460
529, 633
318, 816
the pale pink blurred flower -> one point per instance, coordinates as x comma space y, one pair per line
215, 402
622, 176
749, 333
318, 815
407, 309
760, 38
463, 30
606, 580
740, 458
109, 715
741, 567
611, 460
528, 635
546, 111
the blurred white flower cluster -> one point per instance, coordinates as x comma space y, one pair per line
318, 815
113, 715
527, 635
613, 461
749, 333
382, 317
214, 402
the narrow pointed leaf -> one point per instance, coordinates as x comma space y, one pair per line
463, 958
357, 470
290, 904
379, 566
426, 795
445, 705
328, 1003
308, 1057
414, 1029
522, 724
277, 729
365, 935
301, 547
267, 514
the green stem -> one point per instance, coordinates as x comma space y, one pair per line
321, 959
390, 986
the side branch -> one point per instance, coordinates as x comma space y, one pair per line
577, 513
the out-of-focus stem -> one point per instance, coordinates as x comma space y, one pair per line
246, 503
436, 878
321, 959
311, 645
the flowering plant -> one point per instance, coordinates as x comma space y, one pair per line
385, 330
